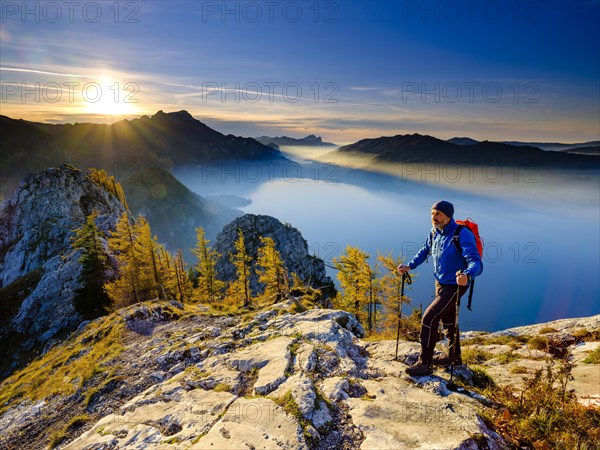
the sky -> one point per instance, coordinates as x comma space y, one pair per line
344, 70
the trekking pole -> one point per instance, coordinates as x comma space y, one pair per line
405, 276
456, 336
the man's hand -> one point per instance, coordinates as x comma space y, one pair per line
461, 278
402, 268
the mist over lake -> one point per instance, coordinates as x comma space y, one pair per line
541, 229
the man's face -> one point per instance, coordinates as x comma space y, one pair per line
439, 219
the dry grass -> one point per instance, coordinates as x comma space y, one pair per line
593, 357
67, 367
545, 414
475, 356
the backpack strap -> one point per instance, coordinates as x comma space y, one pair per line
431, 236
456, 240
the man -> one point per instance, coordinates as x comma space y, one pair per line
453, 272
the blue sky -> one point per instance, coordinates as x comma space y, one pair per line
498, 70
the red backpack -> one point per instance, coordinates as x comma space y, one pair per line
473, 228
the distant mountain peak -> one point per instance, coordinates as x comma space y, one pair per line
310, 140
464, 140
182, 114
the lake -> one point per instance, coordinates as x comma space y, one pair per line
541, 229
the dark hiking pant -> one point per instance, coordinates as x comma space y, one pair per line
443, 308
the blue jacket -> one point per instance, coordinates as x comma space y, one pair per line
446, 259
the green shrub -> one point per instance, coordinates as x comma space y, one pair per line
544, 414
538, 343
507, 357
481, 379
518, 370
593, 357
475, 356
222, 387
56, 439
583, 334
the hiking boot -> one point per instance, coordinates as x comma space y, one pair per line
441, 360
445, 361
419, 369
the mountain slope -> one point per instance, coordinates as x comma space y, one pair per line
39, 271
165, 139
550, 146
591, 150
275, 378
123, 148
24, 148
172, 210
553, 146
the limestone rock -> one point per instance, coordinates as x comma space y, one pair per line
288, 241
36, 226
277, 380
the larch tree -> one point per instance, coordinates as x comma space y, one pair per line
357, 282
184, 284
146, 247
174, 275
124, 290
209, 288
391, 287
272, 272
101, 179
239, 289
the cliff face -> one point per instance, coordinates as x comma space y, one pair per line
288, 241
39, 271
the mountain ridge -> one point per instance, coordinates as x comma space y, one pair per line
162, 140
549, 146
310, 140
417, 148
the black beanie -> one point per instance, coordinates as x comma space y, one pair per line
445, 207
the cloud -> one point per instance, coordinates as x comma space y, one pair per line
35, 71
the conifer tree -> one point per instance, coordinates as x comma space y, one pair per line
101, 179
146, 269
356, 280
272, 271
91, 299
391, 284
209, 287
184, 284
124, 290
374, 289
146, 247
239, 289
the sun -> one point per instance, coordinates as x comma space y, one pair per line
109, 97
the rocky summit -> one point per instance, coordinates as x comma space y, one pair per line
164, 375
39, 272
275, 379
289, 242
